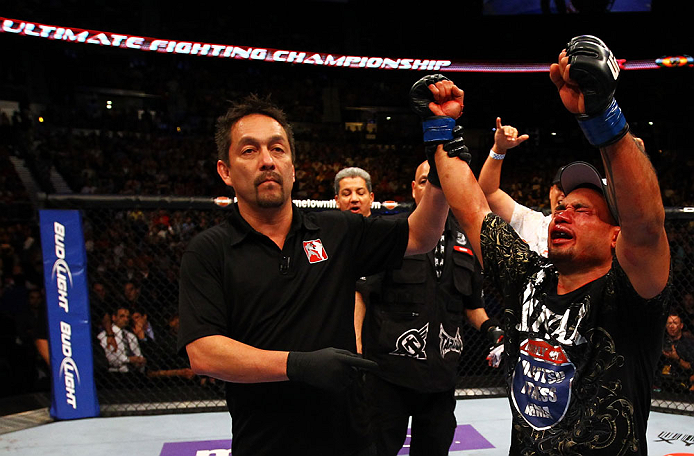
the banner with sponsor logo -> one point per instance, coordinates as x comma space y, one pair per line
69, 327
67, 34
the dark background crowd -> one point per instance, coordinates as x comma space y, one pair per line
90, 120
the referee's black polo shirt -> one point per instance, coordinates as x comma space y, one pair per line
237, 283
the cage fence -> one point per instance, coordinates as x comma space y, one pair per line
134, 246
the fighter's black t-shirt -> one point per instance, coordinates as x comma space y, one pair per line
580, 365
237, 283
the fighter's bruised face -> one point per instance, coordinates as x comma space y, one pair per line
260, 167
354, 196
581, 233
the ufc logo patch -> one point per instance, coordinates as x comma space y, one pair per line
315, 251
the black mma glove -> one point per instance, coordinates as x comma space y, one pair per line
492, 332
456, 147
329, 368
495, 335
595, 70
437, 129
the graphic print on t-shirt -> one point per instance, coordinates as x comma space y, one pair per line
538, 319
543, 375
450, 344
412, 343
542, 383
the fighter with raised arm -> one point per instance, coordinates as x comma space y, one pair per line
583, 328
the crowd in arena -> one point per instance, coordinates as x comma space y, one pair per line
168, 149
133, 254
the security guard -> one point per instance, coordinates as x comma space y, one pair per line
412, 329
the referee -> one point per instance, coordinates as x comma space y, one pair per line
267, 297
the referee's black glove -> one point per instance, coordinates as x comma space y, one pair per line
329, 368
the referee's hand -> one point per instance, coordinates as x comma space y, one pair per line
329, 368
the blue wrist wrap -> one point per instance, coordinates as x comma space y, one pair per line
605, 128
438, 129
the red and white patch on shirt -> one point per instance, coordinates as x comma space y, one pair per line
461, 249
315, 251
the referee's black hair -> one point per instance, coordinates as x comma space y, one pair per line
251, 104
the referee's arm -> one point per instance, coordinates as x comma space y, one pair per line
232, 361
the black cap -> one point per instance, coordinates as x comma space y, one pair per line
580, 173
557, 177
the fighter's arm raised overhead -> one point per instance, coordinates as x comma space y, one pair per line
586, 76
443, 101
465, 197
429, 217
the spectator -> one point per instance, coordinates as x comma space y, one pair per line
127, 356
131, 293
678, 355
38, 331
146, 334
168, 362
100, 304
687, 315
141, 326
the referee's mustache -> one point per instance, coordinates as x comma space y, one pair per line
268, 176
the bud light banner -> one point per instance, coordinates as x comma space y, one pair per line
69, 326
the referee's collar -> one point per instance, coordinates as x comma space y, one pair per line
240, 228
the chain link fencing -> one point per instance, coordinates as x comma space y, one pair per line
134, 246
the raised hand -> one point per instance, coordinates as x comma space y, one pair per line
506, 137
586, 76
448, 99
569, 91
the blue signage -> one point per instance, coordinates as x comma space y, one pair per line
69, 327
